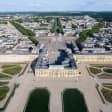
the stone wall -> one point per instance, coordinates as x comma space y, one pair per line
17, 58
56, 73
93, 58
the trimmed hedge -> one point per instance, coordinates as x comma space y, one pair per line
73, 101
60, 27
38, 101
53, 29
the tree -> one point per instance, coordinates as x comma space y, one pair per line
86, 33
74, 26
25, 31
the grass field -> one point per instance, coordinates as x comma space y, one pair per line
94, 70
3, 92
3, 83
107, 94
108, 85
105, 76
13, 70
4, 77
38, 101
108, 70
7, 71
104, 70
73, 101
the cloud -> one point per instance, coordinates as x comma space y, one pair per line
39, 5
95, 5
108, 4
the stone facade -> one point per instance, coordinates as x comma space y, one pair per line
56, 73
93, 58
17, 58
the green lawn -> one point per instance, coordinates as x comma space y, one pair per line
38, 101
13, 70
107, 85
3, 92
107, 94
73, 101
7, 66
3, 83
2, 76
94, 70
108, 70
105, 76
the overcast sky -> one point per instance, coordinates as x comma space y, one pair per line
55, 5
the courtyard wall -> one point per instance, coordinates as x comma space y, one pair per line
93, 58
17, 58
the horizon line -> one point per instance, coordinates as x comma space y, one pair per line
50, 11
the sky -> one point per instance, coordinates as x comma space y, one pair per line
55, 5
